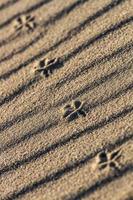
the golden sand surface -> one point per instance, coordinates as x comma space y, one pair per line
66, 99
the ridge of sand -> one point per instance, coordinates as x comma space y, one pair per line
43, 155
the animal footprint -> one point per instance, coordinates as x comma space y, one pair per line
73, 111
25, 22
46, 66
109, 160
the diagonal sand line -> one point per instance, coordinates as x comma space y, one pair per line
65, 141
92, 85
100, 184
29, 10
68, 57
8, 4
67, 169
73, 32
46, 23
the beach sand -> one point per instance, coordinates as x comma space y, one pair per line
66, 99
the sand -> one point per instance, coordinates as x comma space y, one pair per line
66, 99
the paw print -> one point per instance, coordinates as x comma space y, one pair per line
25, 22
109, 160
73, 111
47, 66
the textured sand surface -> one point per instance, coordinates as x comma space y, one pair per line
66, 124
